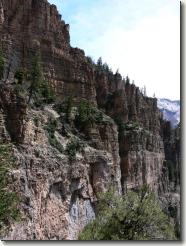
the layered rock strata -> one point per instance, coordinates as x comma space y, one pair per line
126, 149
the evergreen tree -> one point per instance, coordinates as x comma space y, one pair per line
69, 105
36, 76
40, 88
127, 80
99, 62
105, 67
90, 60
46, 92
137, 216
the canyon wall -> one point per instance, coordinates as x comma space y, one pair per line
125, 149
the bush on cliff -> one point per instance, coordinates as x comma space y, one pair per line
51, 127
91, 61
137, 216
46, 92
87, 115
39, 88
103, 67
9, 201
126, 127
35, 77
73, 146
65, 109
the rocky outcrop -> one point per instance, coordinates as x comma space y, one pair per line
138, 118
171, 199
36, 26
126, 148
14, 110
59, 195
171, 139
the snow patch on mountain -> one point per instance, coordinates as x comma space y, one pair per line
170, 110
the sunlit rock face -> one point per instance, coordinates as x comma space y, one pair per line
127, 149
29, 27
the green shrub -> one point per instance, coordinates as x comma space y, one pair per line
65, 108
87, 115
46, 92
40, 88
35, 77
84, 116
51, 128
19, 91
103, 67
73, 146
131, 125
9, 201
56, 144
90, 61
125, 127
137, 216
20, 75
44, 95
69, 109
60, 108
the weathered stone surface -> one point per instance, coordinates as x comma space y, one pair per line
59, 195
36, 26
14, 110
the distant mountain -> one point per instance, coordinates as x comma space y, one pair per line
170, 109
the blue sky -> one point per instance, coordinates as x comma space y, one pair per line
138, 37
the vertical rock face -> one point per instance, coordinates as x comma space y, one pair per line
59, 195
15, 110
140, 144
126, 149
171, 199
172, 153
36, 26
1, 14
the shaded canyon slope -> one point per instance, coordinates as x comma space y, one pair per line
126, 143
